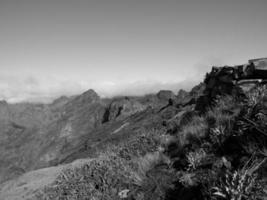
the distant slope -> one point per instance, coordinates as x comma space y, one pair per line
34, 136
114, 132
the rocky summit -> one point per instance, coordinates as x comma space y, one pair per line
234, 80
208, 143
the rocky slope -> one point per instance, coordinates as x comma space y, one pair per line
209, 143
34, 136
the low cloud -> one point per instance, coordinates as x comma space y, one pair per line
144, 87
46, 89
14, 89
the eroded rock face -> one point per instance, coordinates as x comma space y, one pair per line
166, 95
182, 94
59, 102
232, 80
121, 108
189, 98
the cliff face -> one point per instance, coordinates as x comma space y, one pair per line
120, 108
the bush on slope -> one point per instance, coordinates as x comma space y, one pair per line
226, 159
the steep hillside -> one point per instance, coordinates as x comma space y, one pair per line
206, 144
213, 153
131, 116
33, 136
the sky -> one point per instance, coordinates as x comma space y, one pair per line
50, 48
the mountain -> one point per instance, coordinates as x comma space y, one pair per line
34, 136
209, 143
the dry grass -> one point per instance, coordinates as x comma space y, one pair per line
137, 169
194, 131
149, 161
102, 178
216, 134
118, 169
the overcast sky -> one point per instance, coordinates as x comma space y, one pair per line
53, 47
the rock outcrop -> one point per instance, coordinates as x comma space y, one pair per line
122, 107
233, 80
189, 98
165, 95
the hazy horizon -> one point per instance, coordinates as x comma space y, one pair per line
50, 48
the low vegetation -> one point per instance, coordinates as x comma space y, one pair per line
121, 171
216, 155
226, 160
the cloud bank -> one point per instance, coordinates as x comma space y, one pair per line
46, 89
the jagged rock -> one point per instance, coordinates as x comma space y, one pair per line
260, 63
60, 101
121, 108
236, 80
166, 95
89, 96
189, 98
182, 94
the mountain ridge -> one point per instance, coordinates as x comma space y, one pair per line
161, 146
40, 132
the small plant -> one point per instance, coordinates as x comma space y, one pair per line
188, 179
194, 131
217, 135
235, 186
225, 103
195, 159
264, 152
256, 96
149, 161
241, 184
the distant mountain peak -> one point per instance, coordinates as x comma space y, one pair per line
88, 96
60, 99
90, 92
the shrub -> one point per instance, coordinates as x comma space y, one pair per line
240, 184
188, 179
195, 131
195, 159
227, 103
235, 186
157, 176
217, 136
149, 161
